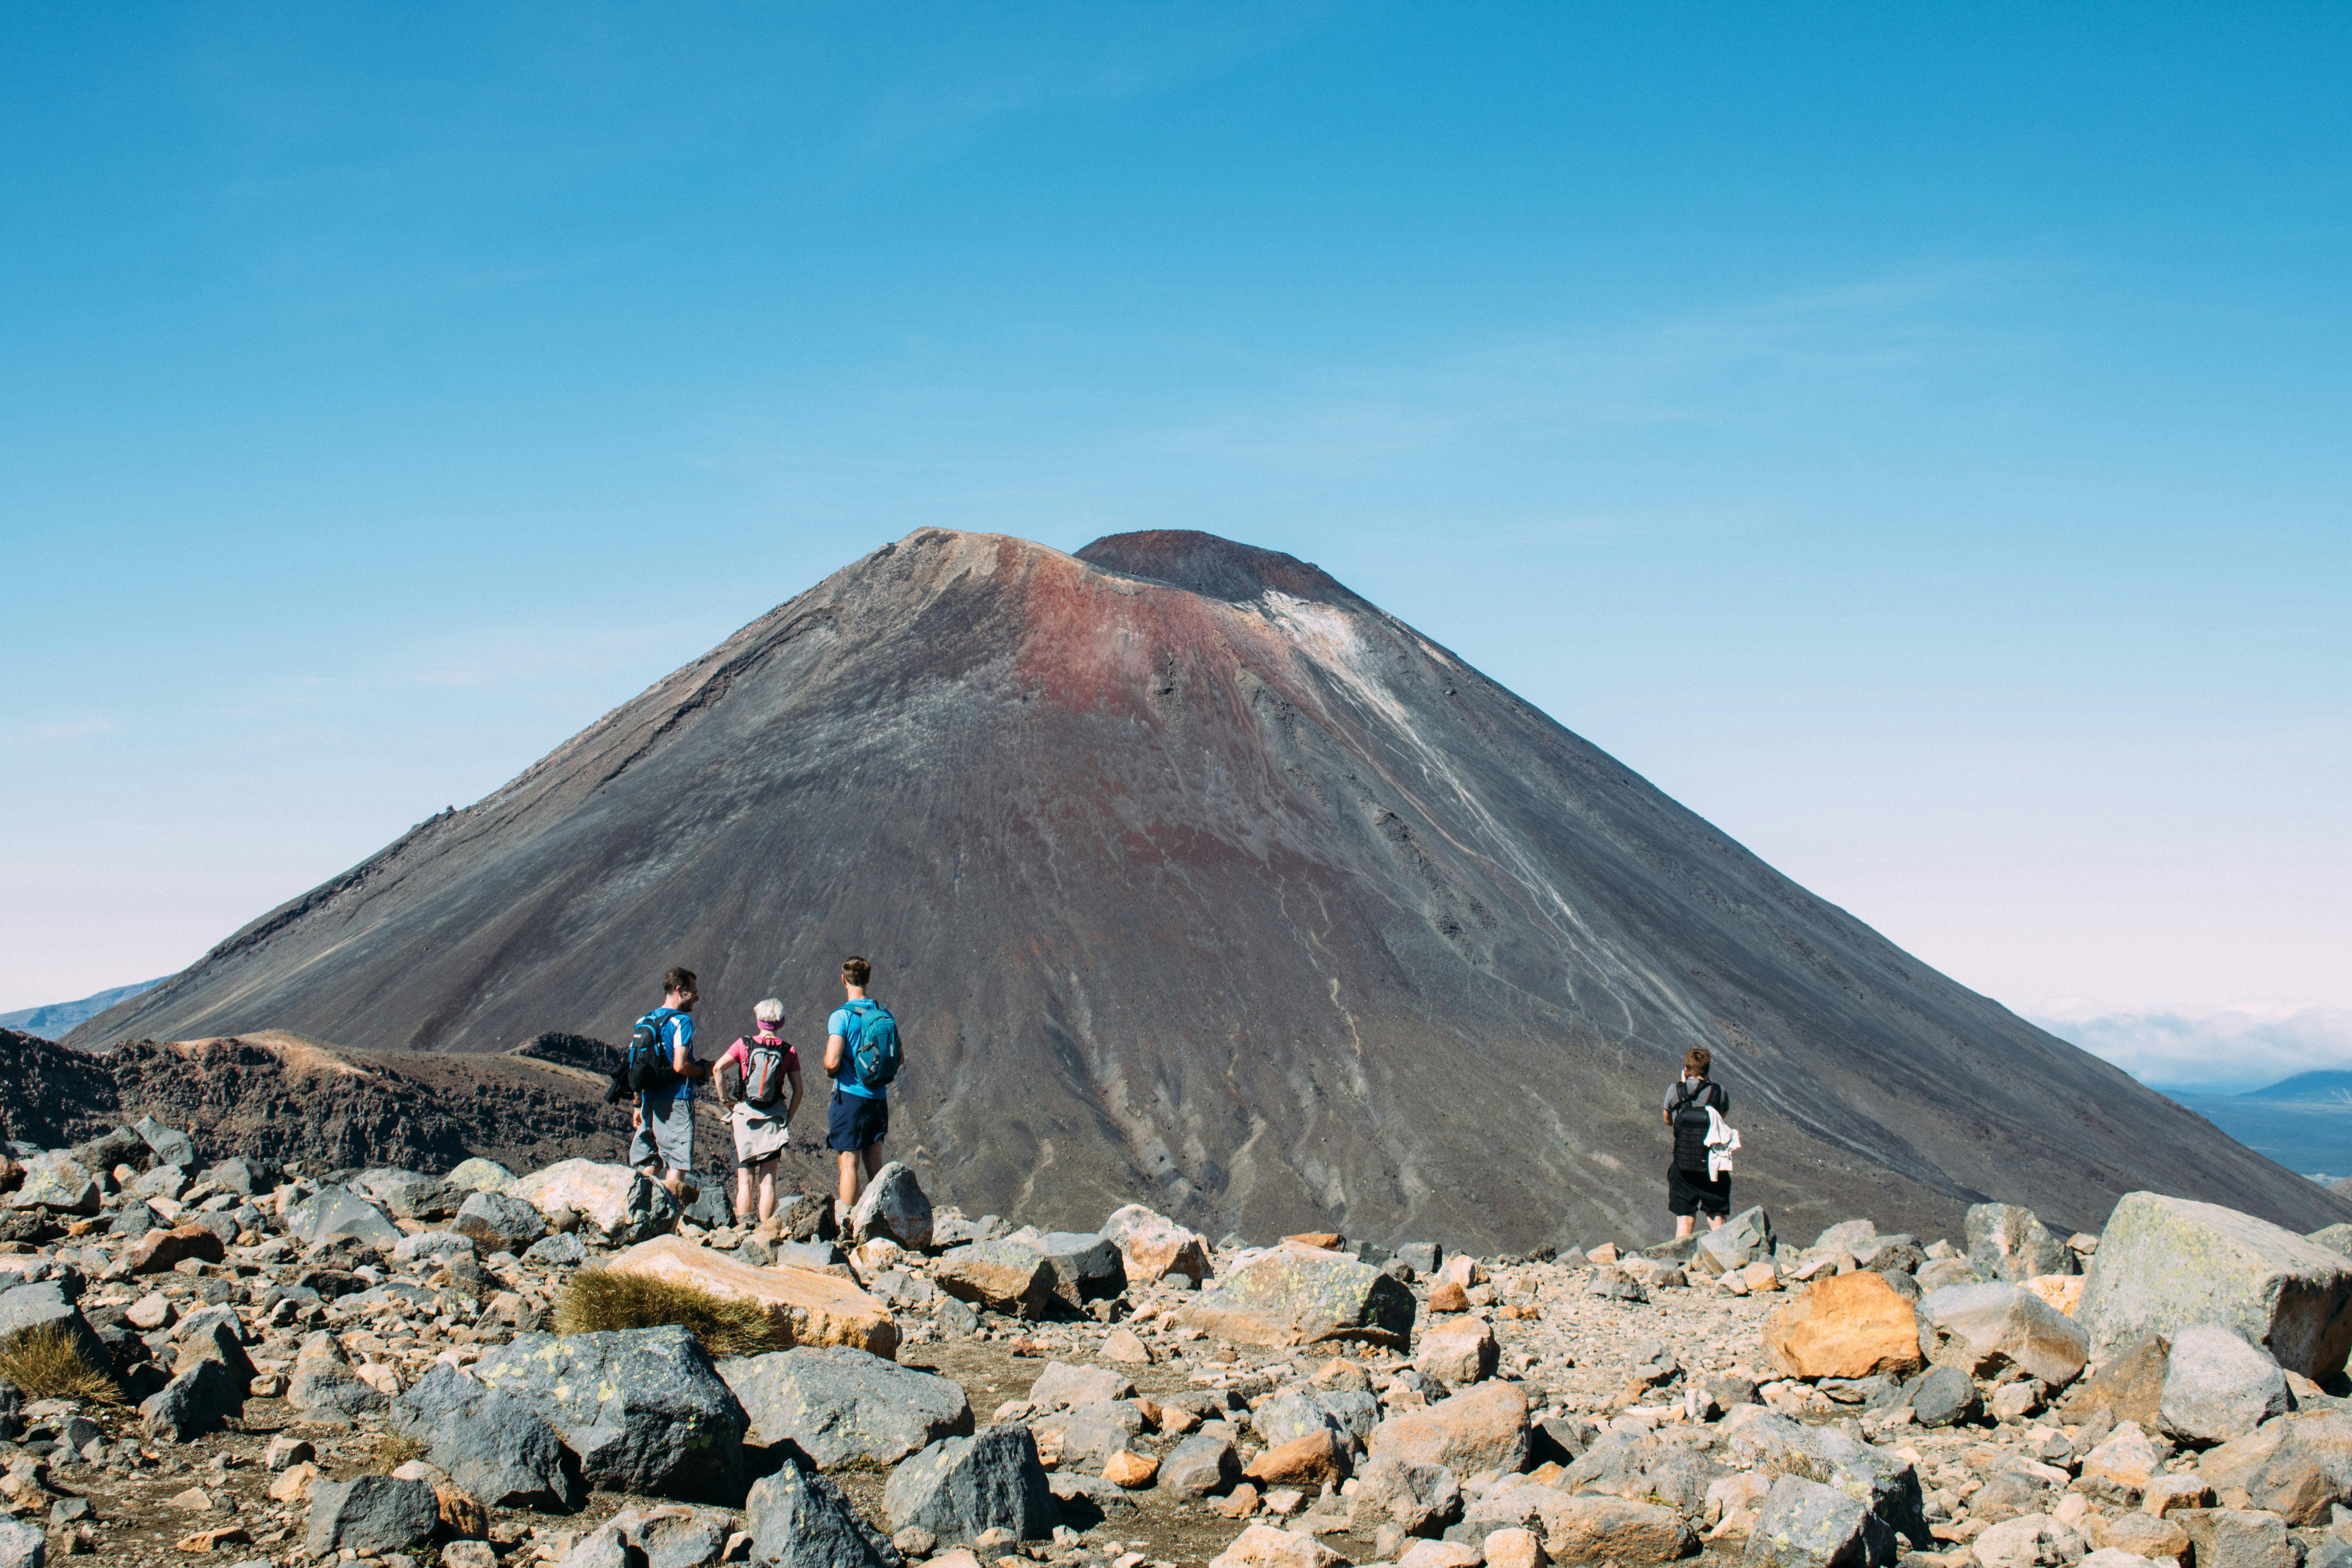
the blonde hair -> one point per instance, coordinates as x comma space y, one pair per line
769, 1012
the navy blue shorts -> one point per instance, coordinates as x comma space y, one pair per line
853, 1122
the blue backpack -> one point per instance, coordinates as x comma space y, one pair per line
874, 1049
648, 1066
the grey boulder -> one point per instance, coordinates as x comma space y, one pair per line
675, 1535
893, 1206
798, 1519
642, 1408
1061, 1386
1746, 1237
480, 1176
46, 1305
1083, 1267
2165, 1265
1198, 1465
327, 1391
2216, 1386
1888, 1487
1946, 1397
962, 1486
492, 1442
561, 1250
1292, 1414
169, 1145
371, 1515
498, 1222
1982, 1328
2008, 1241
333, 1212
837, 1406
195, 1402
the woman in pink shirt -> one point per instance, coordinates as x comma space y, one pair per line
763, 1063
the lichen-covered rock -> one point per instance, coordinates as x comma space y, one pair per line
1297, 1295
1847, 1325
1808, 1524
839, 1406
2164, 1265
58, 1182
642, 1409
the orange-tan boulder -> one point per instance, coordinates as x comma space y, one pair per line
1317, 1456
1847, 1325
809, 1308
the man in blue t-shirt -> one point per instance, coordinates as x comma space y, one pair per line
858, 1117
663, 1117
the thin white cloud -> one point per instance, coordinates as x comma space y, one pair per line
69, 730
2227, 1052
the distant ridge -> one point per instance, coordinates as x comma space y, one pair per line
55, 1021
2314, 1089
1196, 881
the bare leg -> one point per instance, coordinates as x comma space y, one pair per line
676, 1183
873, 1162
849, 1178
1682, 1227
1715, 1221
743, 1193
767, 1191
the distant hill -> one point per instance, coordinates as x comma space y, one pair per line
2329, 1089
52, 1022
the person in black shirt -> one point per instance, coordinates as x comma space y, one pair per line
1690, 1192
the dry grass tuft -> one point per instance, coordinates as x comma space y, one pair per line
46, 1364
597, 1300
392, 1451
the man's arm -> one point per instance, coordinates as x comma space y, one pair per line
833, 1047
681, 1053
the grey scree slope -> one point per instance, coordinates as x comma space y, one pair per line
1198, 881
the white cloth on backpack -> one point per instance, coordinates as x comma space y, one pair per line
1722, 1138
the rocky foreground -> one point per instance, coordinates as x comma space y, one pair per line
313, 1367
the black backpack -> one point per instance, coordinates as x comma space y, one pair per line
1691, 1104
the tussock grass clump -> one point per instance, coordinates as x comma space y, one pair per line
392, 1451
597, 1300
46, 1364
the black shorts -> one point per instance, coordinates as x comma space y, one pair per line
853, 1122
1689, 1192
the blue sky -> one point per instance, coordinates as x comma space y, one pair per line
1915, 438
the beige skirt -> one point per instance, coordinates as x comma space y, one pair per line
758, 1136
